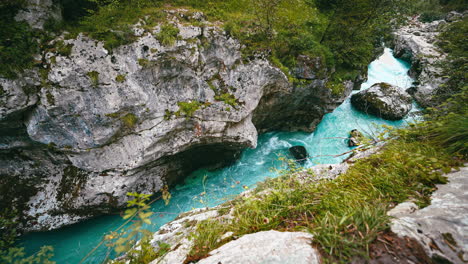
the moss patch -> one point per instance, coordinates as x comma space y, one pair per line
94, 77
120, 78
129, 120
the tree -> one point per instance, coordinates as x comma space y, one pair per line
266, 12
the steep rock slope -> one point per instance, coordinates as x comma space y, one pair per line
93, 124
416, 43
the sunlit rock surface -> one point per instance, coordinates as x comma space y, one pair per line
442, 227
383, 100
95, 124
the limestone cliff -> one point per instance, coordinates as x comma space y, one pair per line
91, 124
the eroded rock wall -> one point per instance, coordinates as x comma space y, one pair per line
91, 124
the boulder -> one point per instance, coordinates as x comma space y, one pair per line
299, 153
383, 100
355, 138
271, 247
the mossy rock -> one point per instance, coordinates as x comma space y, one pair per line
383, 100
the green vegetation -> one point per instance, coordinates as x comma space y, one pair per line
343, 33
129, 120
50, 98
453, 41
346, 214
113, 20
336, 87
168, 35
17, 41
94, 77
120, 78
227, 98
431, 10
64, 49
144, 63
188, 108
134, 240
16, 255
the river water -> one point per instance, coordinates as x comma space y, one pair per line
209, 188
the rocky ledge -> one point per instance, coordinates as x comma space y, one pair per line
416, 43
91, 124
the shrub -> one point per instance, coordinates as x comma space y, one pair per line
227, 98
188, 108
430, 16
168, 35
17, 42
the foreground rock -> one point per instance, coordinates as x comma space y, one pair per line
94, 124
383, 100
267, 247
442, 227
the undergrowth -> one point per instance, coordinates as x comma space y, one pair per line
346, 214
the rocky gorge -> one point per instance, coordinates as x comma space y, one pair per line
90, 125
182, 104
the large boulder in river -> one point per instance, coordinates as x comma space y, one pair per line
383, 100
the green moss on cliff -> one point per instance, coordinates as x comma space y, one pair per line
129, 120
188, 108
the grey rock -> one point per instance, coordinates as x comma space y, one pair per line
383, 100
110, 123
442, 227
402, 209
453, 16
420, 51
37, 12
270, 247
17, 96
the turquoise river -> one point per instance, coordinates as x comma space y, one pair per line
209, 188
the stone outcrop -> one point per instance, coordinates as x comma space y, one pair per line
442, 227
383, 100
37, 12
93, 124
416, 43
267, 247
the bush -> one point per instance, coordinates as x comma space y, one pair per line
168, 35
18, 42
430, 16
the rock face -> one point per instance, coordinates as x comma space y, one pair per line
383, 100
442, 227
267, 247
96, 124
37, 12
415, 43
